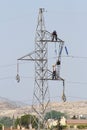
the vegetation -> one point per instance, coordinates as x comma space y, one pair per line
54, 115
26, 120
6, 121
0, 126
71, 126
82, 126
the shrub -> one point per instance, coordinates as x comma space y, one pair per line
81, 126
71, 126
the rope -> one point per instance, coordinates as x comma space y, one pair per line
55, 49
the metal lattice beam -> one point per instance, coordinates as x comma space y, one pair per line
41, 96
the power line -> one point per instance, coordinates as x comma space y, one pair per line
14, 77
74, 97
77, 82
5, 78
58, 98
79, 57
32, 77
7, 65
10, 65
69, 56
85, 98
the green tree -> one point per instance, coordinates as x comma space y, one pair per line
6, 121
54, 115
0, 126
25, 120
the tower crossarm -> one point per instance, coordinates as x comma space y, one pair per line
49, 37
31, 56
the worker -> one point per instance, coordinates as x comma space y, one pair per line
58, 68
54, 36
58, 62
54, 72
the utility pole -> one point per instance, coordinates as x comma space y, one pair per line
41, 98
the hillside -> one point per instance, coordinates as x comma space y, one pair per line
10, 108
71, 108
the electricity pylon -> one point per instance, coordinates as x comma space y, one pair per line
41, 96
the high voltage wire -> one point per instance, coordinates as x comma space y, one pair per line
74, 82
14, 77
69, 56
76, 97
79, 57
29, 77
25, 77
58, 97
4, 78
10, 65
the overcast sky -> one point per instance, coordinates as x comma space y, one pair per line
18, 21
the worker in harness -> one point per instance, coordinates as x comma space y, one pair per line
58, 68
54, 72
54, 36
58, 62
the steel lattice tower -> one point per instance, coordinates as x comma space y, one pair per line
41, 96
41, 92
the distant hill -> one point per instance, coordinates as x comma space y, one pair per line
71, 108
6, 103
10, 108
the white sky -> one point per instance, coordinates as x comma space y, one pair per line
18, 20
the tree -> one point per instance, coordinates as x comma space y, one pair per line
54, 115
6, 121
26, 120
0, 126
